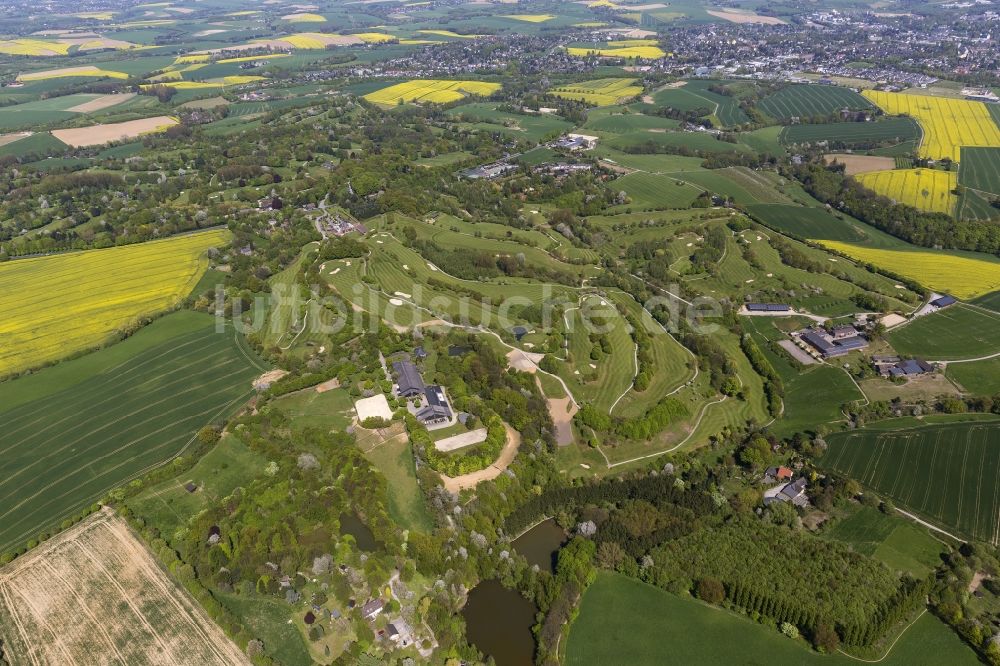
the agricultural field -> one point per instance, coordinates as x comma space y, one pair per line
978, 378
948, 473
431, 90
68, 446
98, 135
896, 130
485, 116
805, 222
964, 275
809, 100
644, 52
59, 305
956, 332
600, 92
980, 170
653, 192
623, 620
696, 94
96, 594
929, 190
948, 124
82, 71
901, 544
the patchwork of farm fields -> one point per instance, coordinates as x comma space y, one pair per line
67, 447
431, 90
811, 100
948, 473
57, 305
929, 190
980, 169
96, 595
890, 129
600, 92
948, 124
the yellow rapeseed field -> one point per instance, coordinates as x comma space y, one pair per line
446, 33
304, 17
373, 37
304, 40
194, 57
269, 56
34, 47
71, 71
62, 304
600, 92
431, 90
530, 18
947, 124
925, 189
648, 52
962, 276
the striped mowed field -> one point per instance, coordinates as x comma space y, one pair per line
69, 446
947, 473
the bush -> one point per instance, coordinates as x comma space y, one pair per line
710, 590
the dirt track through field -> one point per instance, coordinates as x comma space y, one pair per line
473, 479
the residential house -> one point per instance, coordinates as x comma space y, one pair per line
437, 409
408, 380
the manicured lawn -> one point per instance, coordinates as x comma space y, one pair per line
623, 621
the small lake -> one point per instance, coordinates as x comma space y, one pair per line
351, 524
540, 545
498, 621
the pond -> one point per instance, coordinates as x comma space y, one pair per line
498, 621
351, 524
540, 545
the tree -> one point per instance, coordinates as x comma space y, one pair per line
825, 638
710, 590
756, 453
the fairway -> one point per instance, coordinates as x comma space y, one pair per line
811, 100
66, 449
813, 223
956, 332
624, 621
947, 473
924, 189
948, 124
57, 305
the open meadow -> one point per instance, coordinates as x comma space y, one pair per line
62, 304
957, 332
626, 621
948, 473
66, 447
95, 594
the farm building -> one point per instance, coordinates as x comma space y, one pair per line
437, 409
794, 492
944, 301
768, 307
408, 380
575, 142
828, 346
899, 368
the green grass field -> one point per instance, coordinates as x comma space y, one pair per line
65, 449
807, 100
653, 192
980, 169
39, 144
699, 143
980, 377
394, 458
270, 620
953, 333
812, 223
624, 621
948, 473
229, 465
901, 544
891, 129
727, 108
484, 115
